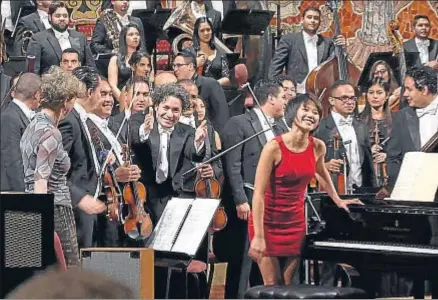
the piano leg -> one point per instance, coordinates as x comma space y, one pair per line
418, 288
315, 265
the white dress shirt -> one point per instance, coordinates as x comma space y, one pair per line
268, 134
423, 47
84, 116
428, 121
219, 6
188, 120
7, 15
124, 20
63, 39
44, 17
133, 5
346, 130
26, 110
311, 50
103, 126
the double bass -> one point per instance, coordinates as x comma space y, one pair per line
338, 67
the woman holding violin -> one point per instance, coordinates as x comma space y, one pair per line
287, 164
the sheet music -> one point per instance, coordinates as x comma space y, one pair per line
169, 224
417, 180
195, 225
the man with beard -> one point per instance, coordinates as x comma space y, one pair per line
47, 46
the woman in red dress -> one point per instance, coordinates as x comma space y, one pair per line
287, 164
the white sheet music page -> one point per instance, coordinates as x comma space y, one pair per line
169, 223
195, 226
417, 180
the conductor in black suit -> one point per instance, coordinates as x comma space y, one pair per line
14, 120
422, 44
101, 41
240, 164
35, 22
47, 46
301, 52
209, 89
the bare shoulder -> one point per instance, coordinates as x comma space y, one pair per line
320, 147
272, 146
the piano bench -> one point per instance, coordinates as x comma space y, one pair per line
304, 291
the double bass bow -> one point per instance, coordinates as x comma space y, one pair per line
338, 67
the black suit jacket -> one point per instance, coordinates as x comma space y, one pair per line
13, 124
181, 153
213, 94
82, 176
5, 84
15, 8
31, 22
411, 46
114, 124
45, 46
404, 137
240, 164
291, 54
227, 5
326, 129
101, 43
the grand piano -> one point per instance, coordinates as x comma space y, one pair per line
379, 236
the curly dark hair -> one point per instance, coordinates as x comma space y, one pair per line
163, 92
424, 77
88, 75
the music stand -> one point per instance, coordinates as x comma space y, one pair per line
153, 21
246, 22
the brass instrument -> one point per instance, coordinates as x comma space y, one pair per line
26, 36
379, 168
110, 21
184, 19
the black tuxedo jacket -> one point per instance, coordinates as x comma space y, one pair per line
404, 137
114, 124
101, 43
5, 84
291, 54
13, 124
411, 46
82, 177
240, 164
31, 22
326, 129
213, 94
181, 152
45, 46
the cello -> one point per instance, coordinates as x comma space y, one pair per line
211, 188
338, 67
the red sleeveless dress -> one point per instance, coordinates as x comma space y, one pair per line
284, 223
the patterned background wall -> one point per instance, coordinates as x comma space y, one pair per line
363, 22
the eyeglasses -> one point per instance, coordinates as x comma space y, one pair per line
175, 66
345, 99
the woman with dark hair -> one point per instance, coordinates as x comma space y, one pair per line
287, 163
201, 112
119, 69
211, 62
377, 115
45, 161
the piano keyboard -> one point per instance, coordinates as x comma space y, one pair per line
377, 247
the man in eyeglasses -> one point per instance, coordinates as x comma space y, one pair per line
354, 138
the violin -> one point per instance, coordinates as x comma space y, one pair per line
137, 224
339, 180
111, 188
211, 188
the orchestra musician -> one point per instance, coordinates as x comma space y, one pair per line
69, 60
287, 163
209, 89
231, 244
119, 69
303, 51
45, 161
47, 45
200, 110
106, 33
377, 116
35, 22
15, 117
358, 150
382, 69
422, 44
